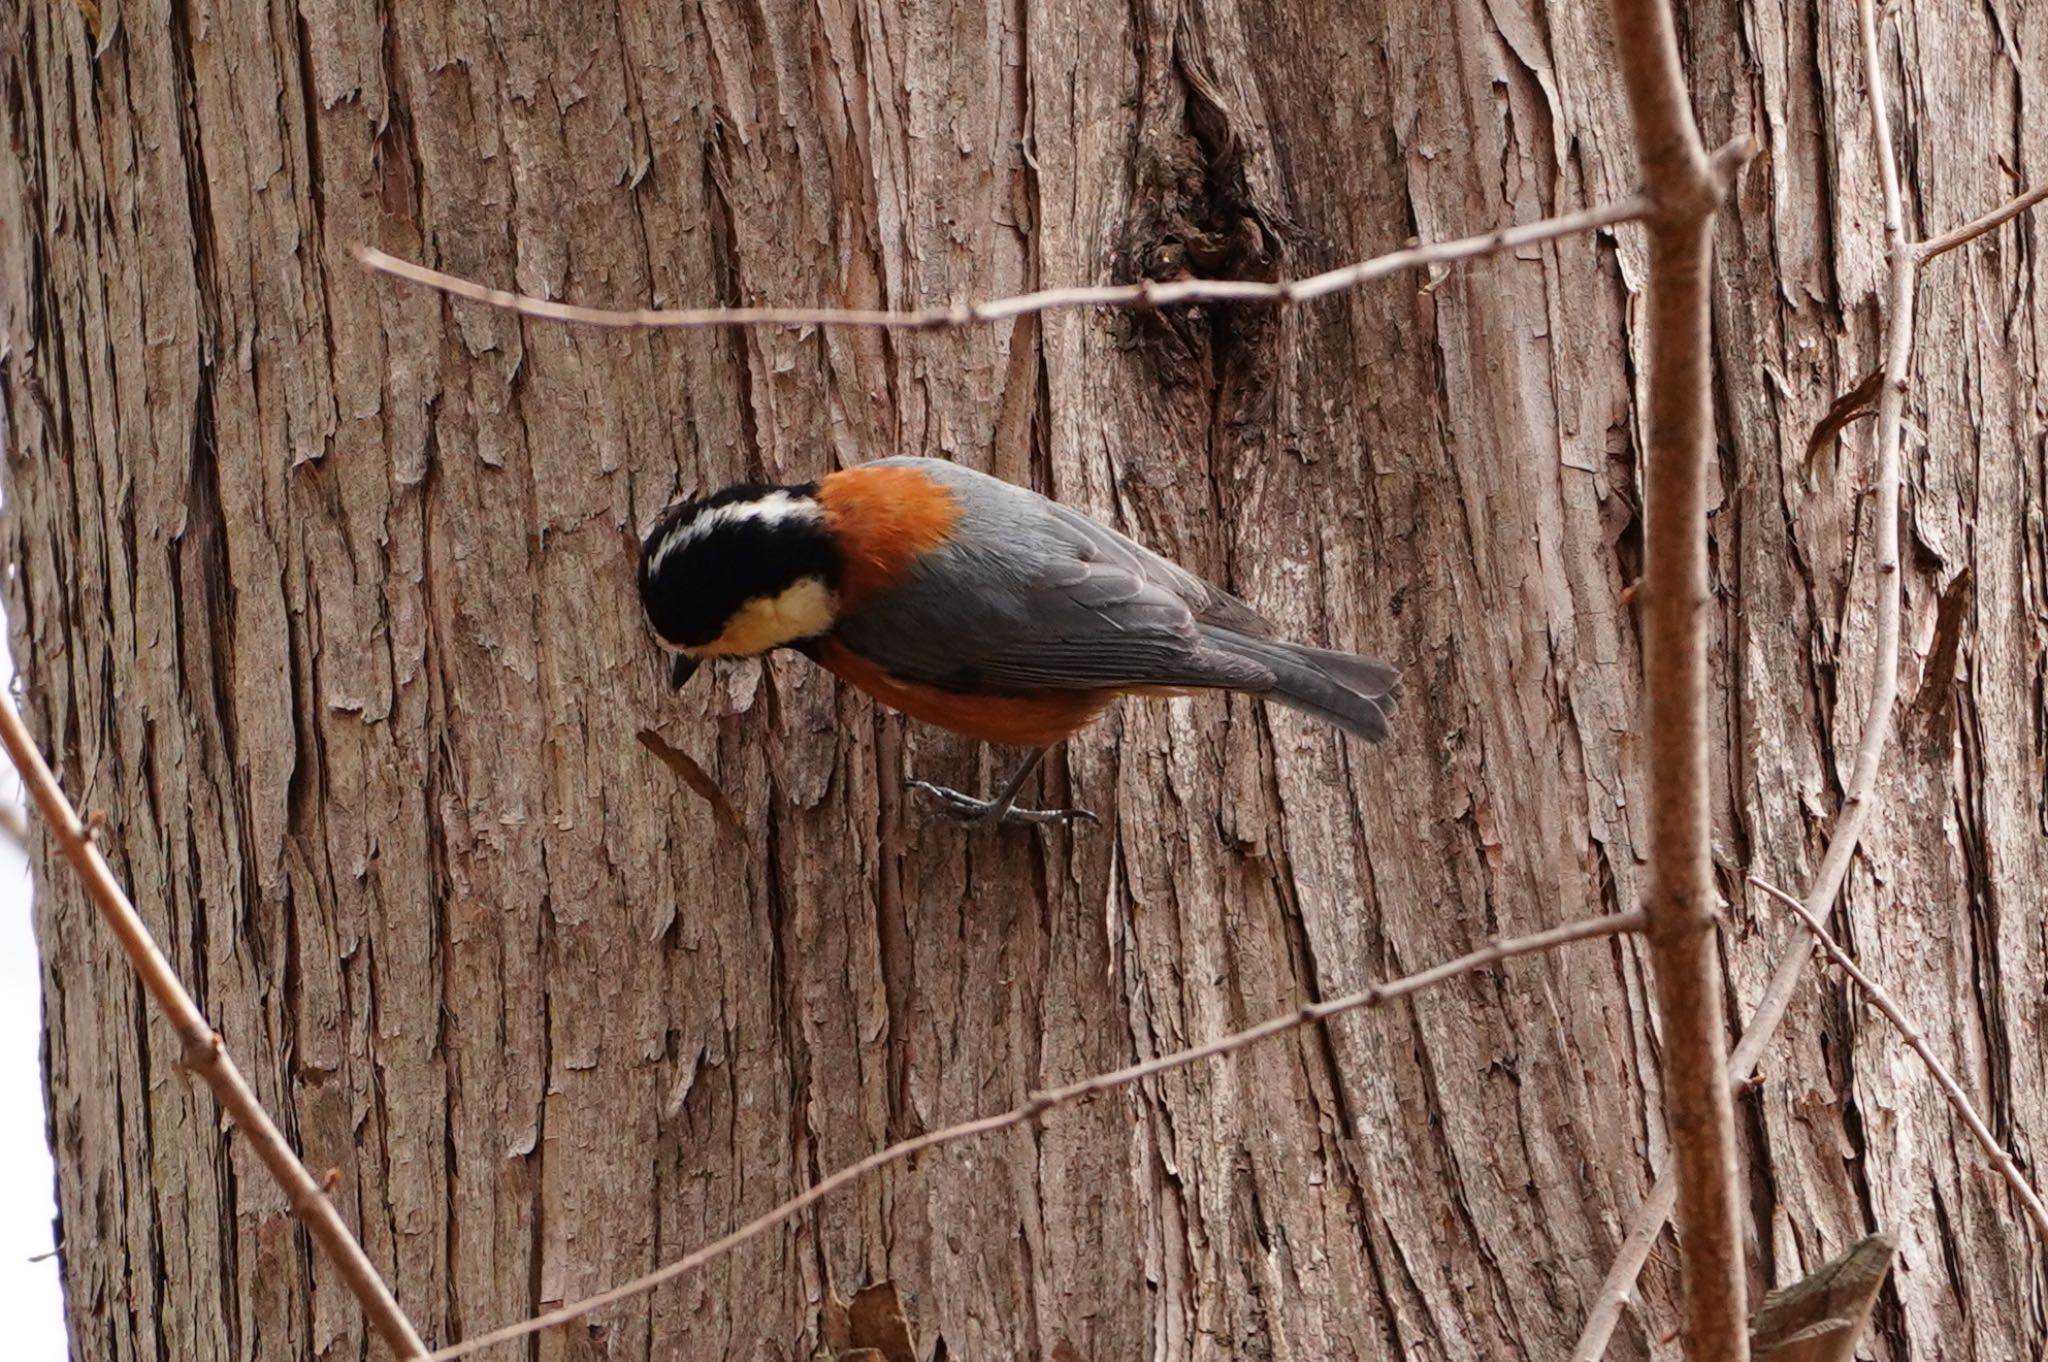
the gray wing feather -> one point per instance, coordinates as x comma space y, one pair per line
1209, 604
1028, 595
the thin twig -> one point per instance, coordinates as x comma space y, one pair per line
1912, 1035
1858, 796
1685, 193
204, 1052
1146, 293
1970, 231
1043, 1102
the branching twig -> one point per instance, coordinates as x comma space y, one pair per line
204, 1053
1044, 1102
1685, 191
1146, 293
1856, 809
1957, 1098
1970, 231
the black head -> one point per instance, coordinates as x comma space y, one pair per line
744, 570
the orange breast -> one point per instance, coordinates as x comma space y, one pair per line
1011, 720
883, 518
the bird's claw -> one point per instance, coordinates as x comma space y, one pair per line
965, 808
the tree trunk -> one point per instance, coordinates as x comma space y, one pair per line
323, 592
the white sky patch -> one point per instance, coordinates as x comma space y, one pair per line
772, 509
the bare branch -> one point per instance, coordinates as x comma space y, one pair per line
1643, 1231
1674, 164
1685, 190
1970, 231
1912, 1035
204, 1052
1145, 294
1044, 1102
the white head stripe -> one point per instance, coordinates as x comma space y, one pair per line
771, 509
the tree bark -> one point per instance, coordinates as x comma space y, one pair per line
322, 592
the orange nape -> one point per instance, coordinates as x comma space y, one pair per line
1007, 720
883, 519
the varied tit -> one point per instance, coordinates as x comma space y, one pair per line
973, 604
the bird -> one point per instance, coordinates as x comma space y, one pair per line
974, 604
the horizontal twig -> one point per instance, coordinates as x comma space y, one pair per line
1990, 222
204, 1052
1914, 1038
1043, 1102
1146, 293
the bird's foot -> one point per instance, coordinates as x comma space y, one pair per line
965, 808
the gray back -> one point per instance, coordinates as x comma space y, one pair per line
1027, 595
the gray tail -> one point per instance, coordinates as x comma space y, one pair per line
1344, 690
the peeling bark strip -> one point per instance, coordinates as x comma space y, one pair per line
1821, 1318
362, 699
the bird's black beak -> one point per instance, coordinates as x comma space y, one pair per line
681, 667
